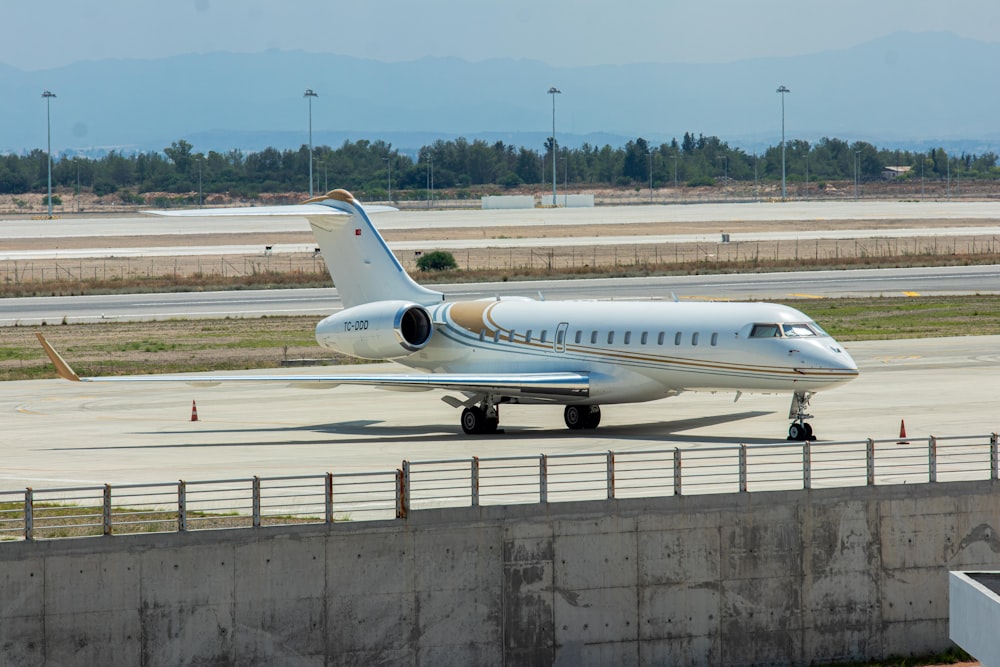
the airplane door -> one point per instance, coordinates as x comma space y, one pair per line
560, 339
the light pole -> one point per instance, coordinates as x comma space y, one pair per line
553, 91
807, 175
48, 131
650, 154
947, 162
388, 178
430, 180
756, 190
857, 159
309, 95
783, 90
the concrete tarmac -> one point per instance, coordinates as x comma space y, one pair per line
56, 433
601, 217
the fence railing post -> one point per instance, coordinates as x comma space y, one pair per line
611, 475
256, 501
474, 480
543, 478
29, 514
182, 519
870, 461
743, 468
806, 465
107, 509
401, 508
328, 492
994, 473
677, 471
932, 459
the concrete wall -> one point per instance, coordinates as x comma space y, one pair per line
974, 614
738, 579
508, 201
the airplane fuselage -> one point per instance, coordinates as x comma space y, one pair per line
631, 351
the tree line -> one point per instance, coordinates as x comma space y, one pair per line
371, 168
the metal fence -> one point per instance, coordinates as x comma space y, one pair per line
479, 481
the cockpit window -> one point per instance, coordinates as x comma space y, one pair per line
765, 331
787, 330
797, 330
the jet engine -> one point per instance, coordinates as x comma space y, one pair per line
378, 330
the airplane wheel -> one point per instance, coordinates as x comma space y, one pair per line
593, 418
809, 431
491, 425
474, 420
574, 416
797, 432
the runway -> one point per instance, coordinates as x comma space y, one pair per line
986, 233
58, 433
604, 216
322, 302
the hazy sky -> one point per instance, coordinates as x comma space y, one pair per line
50, 33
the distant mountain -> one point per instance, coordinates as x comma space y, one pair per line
904, 90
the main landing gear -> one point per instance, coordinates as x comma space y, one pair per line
582, 416
484, 417
800, 430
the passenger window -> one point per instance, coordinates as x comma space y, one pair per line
510, 336
659, 339
593, 338
496, 336
560, 336
694, 338
579, 337
482, 334
628, 337
545, 334
611, 337
677, 338
644, 338
715, 339
527, 336
765, 331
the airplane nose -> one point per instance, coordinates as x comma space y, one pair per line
829, 358
838, 361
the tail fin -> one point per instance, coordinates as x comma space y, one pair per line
360, 263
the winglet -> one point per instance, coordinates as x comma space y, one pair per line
62, 368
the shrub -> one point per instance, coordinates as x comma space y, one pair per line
439, 260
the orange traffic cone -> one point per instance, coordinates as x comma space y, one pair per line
902, 433
194, 412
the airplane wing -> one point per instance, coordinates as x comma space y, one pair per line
539, 385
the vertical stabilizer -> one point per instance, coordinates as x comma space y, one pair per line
361, 265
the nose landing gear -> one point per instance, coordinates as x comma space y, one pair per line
798, 412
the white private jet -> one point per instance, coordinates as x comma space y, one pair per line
516, 350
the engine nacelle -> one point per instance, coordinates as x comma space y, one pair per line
379, 330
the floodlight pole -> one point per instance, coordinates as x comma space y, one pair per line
48, 130
388, 178
309, 94
783, 90
553, 91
